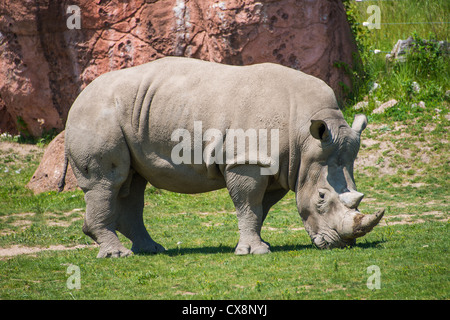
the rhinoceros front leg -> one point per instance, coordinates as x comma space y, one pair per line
247, 186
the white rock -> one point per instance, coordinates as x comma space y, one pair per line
361, 105
385, 106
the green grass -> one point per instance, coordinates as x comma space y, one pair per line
200, 232
412, 267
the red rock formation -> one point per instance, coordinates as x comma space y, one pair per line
44, 64
50, 170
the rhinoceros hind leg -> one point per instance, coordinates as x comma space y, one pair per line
101, 164
113, 250
100, 223
130, 220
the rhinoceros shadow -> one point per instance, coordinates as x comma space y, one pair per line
274, 248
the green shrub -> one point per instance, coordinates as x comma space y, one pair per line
421, 79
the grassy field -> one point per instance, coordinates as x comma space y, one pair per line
403, 165
395, 170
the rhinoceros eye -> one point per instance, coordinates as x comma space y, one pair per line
322, 201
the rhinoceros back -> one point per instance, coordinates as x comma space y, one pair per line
153, 100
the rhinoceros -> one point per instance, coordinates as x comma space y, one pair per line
120, 136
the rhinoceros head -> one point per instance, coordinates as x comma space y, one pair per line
326, 194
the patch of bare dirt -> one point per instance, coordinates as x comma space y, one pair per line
269, 228
385, 154
185, 293
55, 219
20, 149
23, 220
20, 220
19, 250
370, 156
414, 218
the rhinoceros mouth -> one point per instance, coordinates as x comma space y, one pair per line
331, 240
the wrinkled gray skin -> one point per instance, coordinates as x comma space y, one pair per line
118, 137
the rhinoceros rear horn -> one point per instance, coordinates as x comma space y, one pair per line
359, 123
351, 199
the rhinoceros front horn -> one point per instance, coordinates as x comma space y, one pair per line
357, 225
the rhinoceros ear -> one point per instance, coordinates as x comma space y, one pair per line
359, 123
319, 129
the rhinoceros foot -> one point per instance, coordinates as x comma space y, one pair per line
148, 247
111, 251
252, 248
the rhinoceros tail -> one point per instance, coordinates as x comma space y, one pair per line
62, 182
